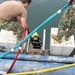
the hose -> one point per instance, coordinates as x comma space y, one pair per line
23, 35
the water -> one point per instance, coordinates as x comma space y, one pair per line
39, 11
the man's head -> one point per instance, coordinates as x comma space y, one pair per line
25, 2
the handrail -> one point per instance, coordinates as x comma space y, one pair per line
41, 25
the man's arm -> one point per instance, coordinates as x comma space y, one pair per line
18, 19
24, 24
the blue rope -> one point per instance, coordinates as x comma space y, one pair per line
41, 25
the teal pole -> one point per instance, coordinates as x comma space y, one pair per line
41, 25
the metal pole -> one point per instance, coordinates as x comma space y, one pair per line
44, 39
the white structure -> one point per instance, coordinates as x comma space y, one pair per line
64, 48
7, 39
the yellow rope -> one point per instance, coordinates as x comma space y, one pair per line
43, 70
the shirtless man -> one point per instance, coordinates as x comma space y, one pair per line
13, 16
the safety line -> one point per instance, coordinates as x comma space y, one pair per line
43, 70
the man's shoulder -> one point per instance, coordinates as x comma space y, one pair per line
11, 3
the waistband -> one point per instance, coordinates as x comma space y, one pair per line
2, 20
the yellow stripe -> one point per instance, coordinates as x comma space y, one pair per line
43, 70
35, 34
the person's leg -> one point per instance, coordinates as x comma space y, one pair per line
71, 27
16, 28
62, 27
13, 26
70, 32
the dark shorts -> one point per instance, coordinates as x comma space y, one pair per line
12, 26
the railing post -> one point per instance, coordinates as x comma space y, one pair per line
44, 40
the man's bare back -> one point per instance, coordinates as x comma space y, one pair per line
7, 12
